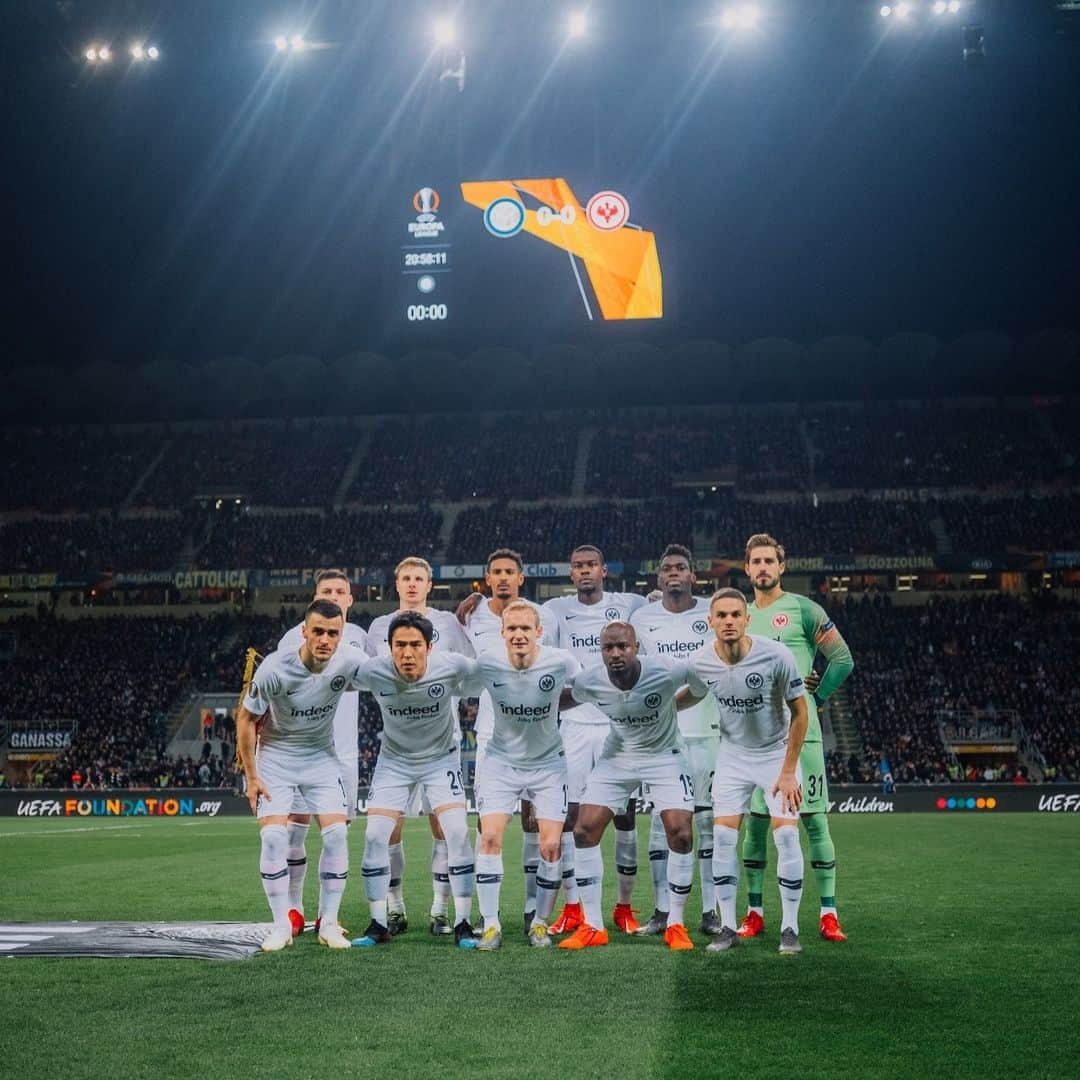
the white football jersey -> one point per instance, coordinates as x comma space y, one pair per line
526, 705
448, 636
751, 696
569, 624
676, 635
484, 630
297, 706
418, 717
347, 717
643, 719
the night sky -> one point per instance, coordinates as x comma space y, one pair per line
824, 174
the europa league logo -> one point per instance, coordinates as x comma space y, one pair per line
426, 201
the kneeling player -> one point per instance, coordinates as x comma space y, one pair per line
293, 698
754, 682
642, 749
525, 760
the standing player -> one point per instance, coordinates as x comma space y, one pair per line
333, 585
806, 629
525, 760
414, 691
761, 703
574, 623
504, 574
285, 738
642, 749
413, 579
674, 628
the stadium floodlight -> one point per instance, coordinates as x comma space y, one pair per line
104, 54
577, 24
153, 52
886, 11
298, 43
903, 9
281, 43
940, 7
91, 54
442, 30
138, 52
954, 6
740, 17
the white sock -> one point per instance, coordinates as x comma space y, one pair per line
547, 889
626, 862
789, 874
569, 881
459, 856
376, 864
826, 911
703, 819
297, 860
680, 878
658, 850
489, 875
725, 868
440, 878
530, 861
274, 844
333, 871
394, 895
589, 863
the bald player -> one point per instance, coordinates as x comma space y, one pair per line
642, 749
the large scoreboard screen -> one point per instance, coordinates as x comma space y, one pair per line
498, 255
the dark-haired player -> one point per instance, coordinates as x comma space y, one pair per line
674, 628
330, 584
285, 739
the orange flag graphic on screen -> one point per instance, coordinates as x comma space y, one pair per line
622, 264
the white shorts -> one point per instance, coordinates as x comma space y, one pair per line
664, 778
583, 744
302, 785
500, 785
350, 779
701, 756
738, 774
395, 782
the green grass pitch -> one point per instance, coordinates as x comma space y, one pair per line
962, 961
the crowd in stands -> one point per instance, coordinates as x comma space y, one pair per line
1049, 522
114, 679
993, 653
450, 459
78, 469
333, 538
888, 445
549, 531
273, 464
854, 526
641, 459
102, 542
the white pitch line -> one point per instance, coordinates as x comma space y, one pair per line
66, 832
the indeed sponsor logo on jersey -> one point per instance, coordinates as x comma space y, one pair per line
678, 646
407, 711
315, 710
638, 721
525, 712
734, 702
585, 641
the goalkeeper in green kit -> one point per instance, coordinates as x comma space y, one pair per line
806, 629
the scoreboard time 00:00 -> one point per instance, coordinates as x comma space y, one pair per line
425, 312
